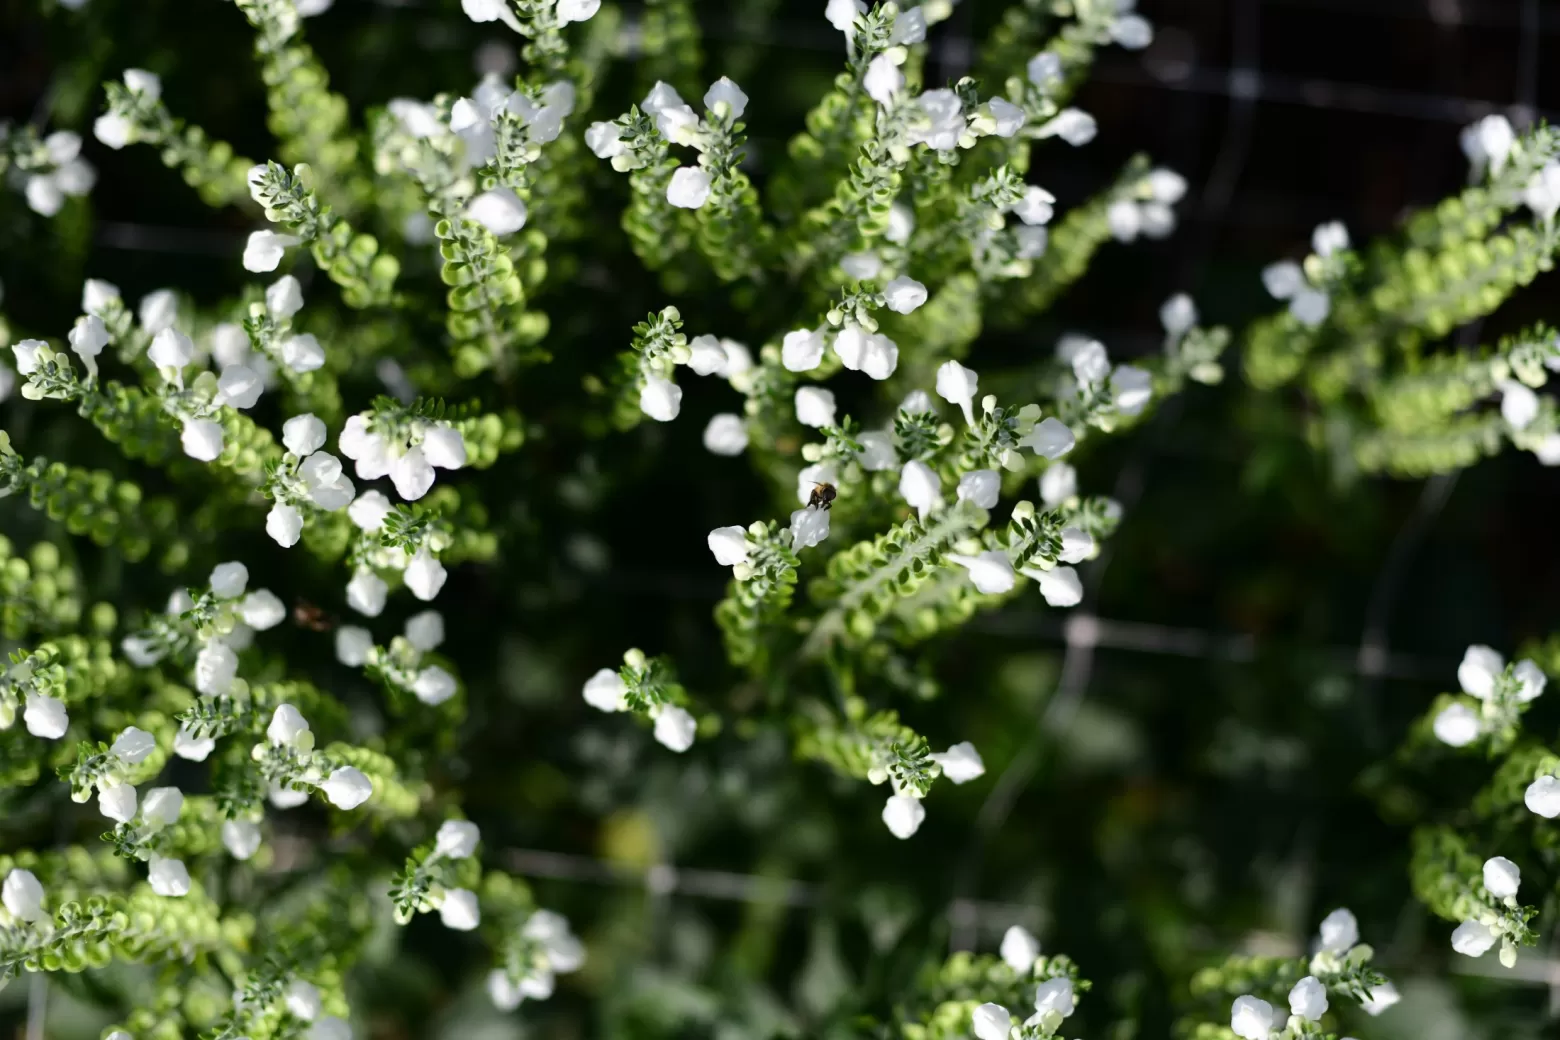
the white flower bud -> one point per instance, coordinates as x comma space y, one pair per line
982, 487
920, 486
903, 815
22, 895
726, 434
1472, 939
802, 350
117, 802
459, 911
433, 685
45, 716
991, 572
991, 1022
88, 337
161, 807
660, 399
689, 188
675, 728
284, 524
957, 385
961, 763
425, 630
284, 297
605, 691
814, 406
1502, 877
352, 645
457, 839
169, 877
1308, 999
1020, 949
425, 575
366, 593
347, 787
286, 727
499, 210
1251, 1019
724, 91
201, 439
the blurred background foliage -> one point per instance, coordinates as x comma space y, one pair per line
1264, 629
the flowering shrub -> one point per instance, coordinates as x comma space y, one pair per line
202, 566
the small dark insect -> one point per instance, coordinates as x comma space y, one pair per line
307, 615
822, 496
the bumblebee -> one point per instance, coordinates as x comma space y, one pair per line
307, 615
822, 496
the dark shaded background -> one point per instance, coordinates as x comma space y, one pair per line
1173, 780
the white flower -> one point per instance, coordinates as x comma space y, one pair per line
1132, 31
901, 224
425, 630
1251, 1019
1518, 404
171, 349
303, 434
1339, 931
814, 406
1060, 586
201, 439
503, 992
982, 487
190, 747
425, 575
113, 130
904, 294
353, 644
412, 474
1543, 797
1310, 307
1051, 438
991, 572
459, 911
1072, 125
117, 802
1531, 680
443, 447
706, 356
1090, 363
286, 727
265, 249
169, 877
303, 353
1380, 998
689, 188
1329, 239
991, 1022
303, 999
724, 92
726, 434
1472, 939
1502, 877
161, 807
842, 13
499, 210
43, 194
1125, 220
284, 297
961, 763
604, 139
158, 310
577, 10
850, 343
23, 895
1166, 186
661, 97
1005, 118
675, 728
1077, 545
1542, 194
1479, 669
956, 385
239, 386
920, 486
368, 449
679, 124
903, 815
738, 358
1308, 999
457, 839
883, 80
802, 350
1058, 483
1044, 68
809, 527
1178, 314
1457, 725
877, 451
366, 593
944, 120
433, 685
133, 745
880, 357
1037, 206
729, 544
230, 345
147, 84
1055, 995
368, 510
605, 691
45, 716
284, 524
215, 668
27, 355
88, 337
1490, 141
1283, 279
660, 399
347, 787
228, 580
1032, 242
287, 797
1019, 949
1131, 387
